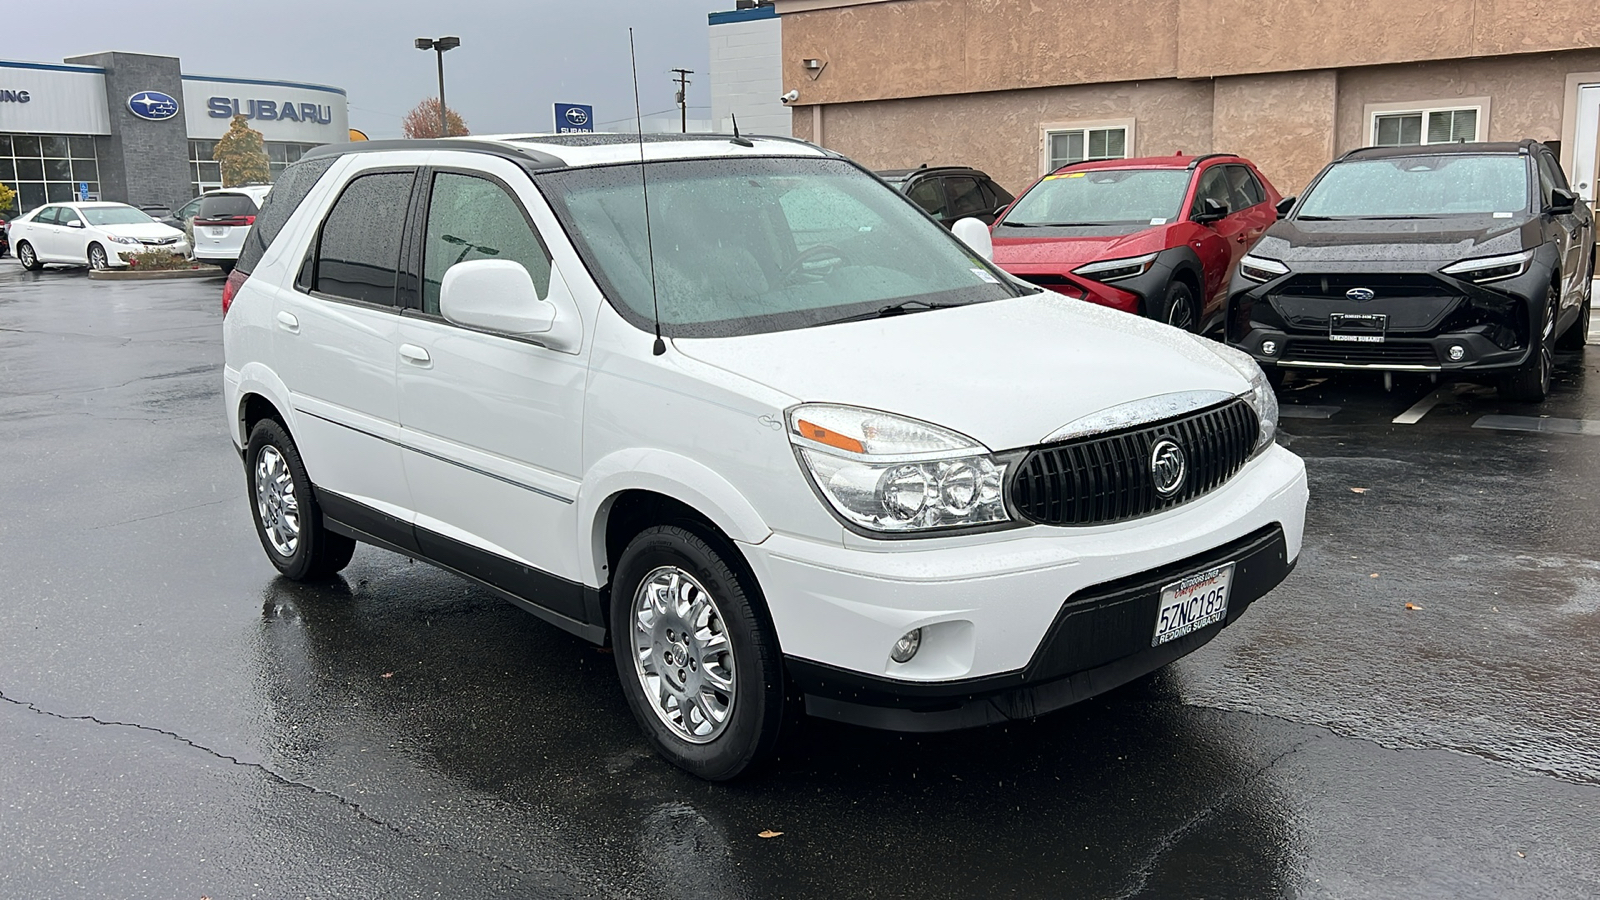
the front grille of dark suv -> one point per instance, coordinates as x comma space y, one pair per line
1317, 351
1108, 478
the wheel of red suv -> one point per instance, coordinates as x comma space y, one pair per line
287, 518
28, 258
97, 256
1177, 308
698, 661
1530, 383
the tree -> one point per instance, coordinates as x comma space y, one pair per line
242, 156
8, 198
423, 122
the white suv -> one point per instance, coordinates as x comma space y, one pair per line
783, 440
222, 220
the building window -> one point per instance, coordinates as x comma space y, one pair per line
1068, 144
47, 168
205, 173
1408, 128
281, 154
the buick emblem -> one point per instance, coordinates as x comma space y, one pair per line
1168, 467
1360, 295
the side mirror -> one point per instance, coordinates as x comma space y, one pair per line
975, 235
1285, 205
1563, 202
494, 295
75, 223
1211, 210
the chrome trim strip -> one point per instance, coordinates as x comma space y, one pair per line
1138, 412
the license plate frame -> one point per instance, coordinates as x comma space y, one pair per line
217, 231
1176, 612
1358, 328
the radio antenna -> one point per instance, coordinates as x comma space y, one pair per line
660, 346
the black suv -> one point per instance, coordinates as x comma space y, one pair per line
950, 193
1470, 259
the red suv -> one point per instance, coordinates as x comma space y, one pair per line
1159, 236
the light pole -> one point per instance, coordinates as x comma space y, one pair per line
439, 46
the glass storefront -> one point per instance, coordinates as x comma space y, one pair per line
206, 174
47, 168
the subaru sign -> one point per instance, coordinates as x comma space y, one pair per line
153, 105
572, 118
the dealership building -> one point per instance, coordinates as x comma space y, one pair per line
1017, 87
135, 128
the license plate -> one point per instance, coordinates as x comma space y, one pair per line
218, 232
1193, 603
1358, 328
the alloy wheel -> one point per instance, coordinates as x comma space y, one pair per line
276, 503
1547, 347
25, 256
97, 257
682, 654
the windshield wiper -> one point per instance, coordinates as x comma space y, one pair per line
893, 309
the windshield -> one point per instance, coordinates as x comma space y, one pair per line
1102, 197
1419, 186
115, 215
750, 245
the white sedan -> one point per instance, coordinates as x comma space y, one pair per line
89, 234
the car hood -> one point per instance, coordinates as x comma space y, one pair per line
147, 232
1007, 372
1391, 241
1070, 247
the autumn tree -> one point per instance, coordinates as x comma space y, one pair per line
8, 197
242, 156
423, 122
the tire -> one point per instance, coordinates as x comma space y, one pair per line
744, 682
97, 257
1530, 383
1177, 308
28, 258
1577, 334
285, 511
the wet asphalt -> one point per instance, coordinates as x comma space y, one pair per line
179, 722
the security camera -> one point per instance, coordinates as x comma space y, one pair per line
790, 97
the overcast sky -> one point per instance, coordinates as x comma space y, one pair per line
516, 56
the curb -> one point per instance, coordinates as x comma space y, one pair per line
155, 275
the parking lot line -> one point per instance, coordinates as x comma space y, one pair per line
1308, 411
1419, 409
1541, 424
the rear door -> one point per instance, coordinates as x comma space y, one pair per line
40, 233
335, 341
491, 424
220, 224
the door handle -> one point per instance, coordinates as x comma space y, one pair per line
411, 353
288, 322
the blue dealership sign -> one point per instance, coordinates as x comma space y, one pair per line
572, 118
153, 105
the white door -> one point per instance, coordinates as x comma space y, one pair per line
491, 424
1586, 147
334, 344
56, 237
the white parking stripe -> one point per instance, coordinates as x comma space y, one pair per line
1419, 409
1297, 411
1546, 425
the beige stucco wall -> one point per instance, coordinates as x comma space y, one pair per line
912, 48
1000, 132
1282, 122
1526, 92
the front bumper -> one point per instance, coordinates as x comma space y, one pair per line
1014, 623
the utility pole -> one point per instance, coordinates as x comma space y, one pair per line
683, 97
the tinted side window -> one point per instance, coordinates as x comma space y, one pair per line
965, 197
359, 250
48, 217
1244, 191
1213, 186
65, 216
474, 218
1001, 198
1550, 178
291, 187
226, 205
928, 194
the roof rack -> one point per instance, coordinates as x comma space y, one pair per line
1205, 156
523, 156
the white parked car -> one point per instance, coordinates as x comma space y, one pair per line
790, 439
89, 234
222, 220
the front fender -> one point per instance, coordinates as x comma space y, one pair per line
665, 473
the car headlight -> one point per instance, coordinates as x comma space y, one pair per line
1259, 268
893, 475
1491, 268
1261, 397
122, 240
1117, 269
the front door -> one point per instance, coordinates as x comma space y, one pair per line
1222, 242
491, 423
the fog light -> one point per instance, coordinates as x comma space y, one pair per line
1457, 353
907, 646
1268, 348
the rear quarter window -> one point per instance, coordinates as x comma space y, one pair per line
288, 192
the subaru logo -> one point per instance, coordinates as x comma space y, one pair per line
576, 116
1168, 467
1360, 295
153, 105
